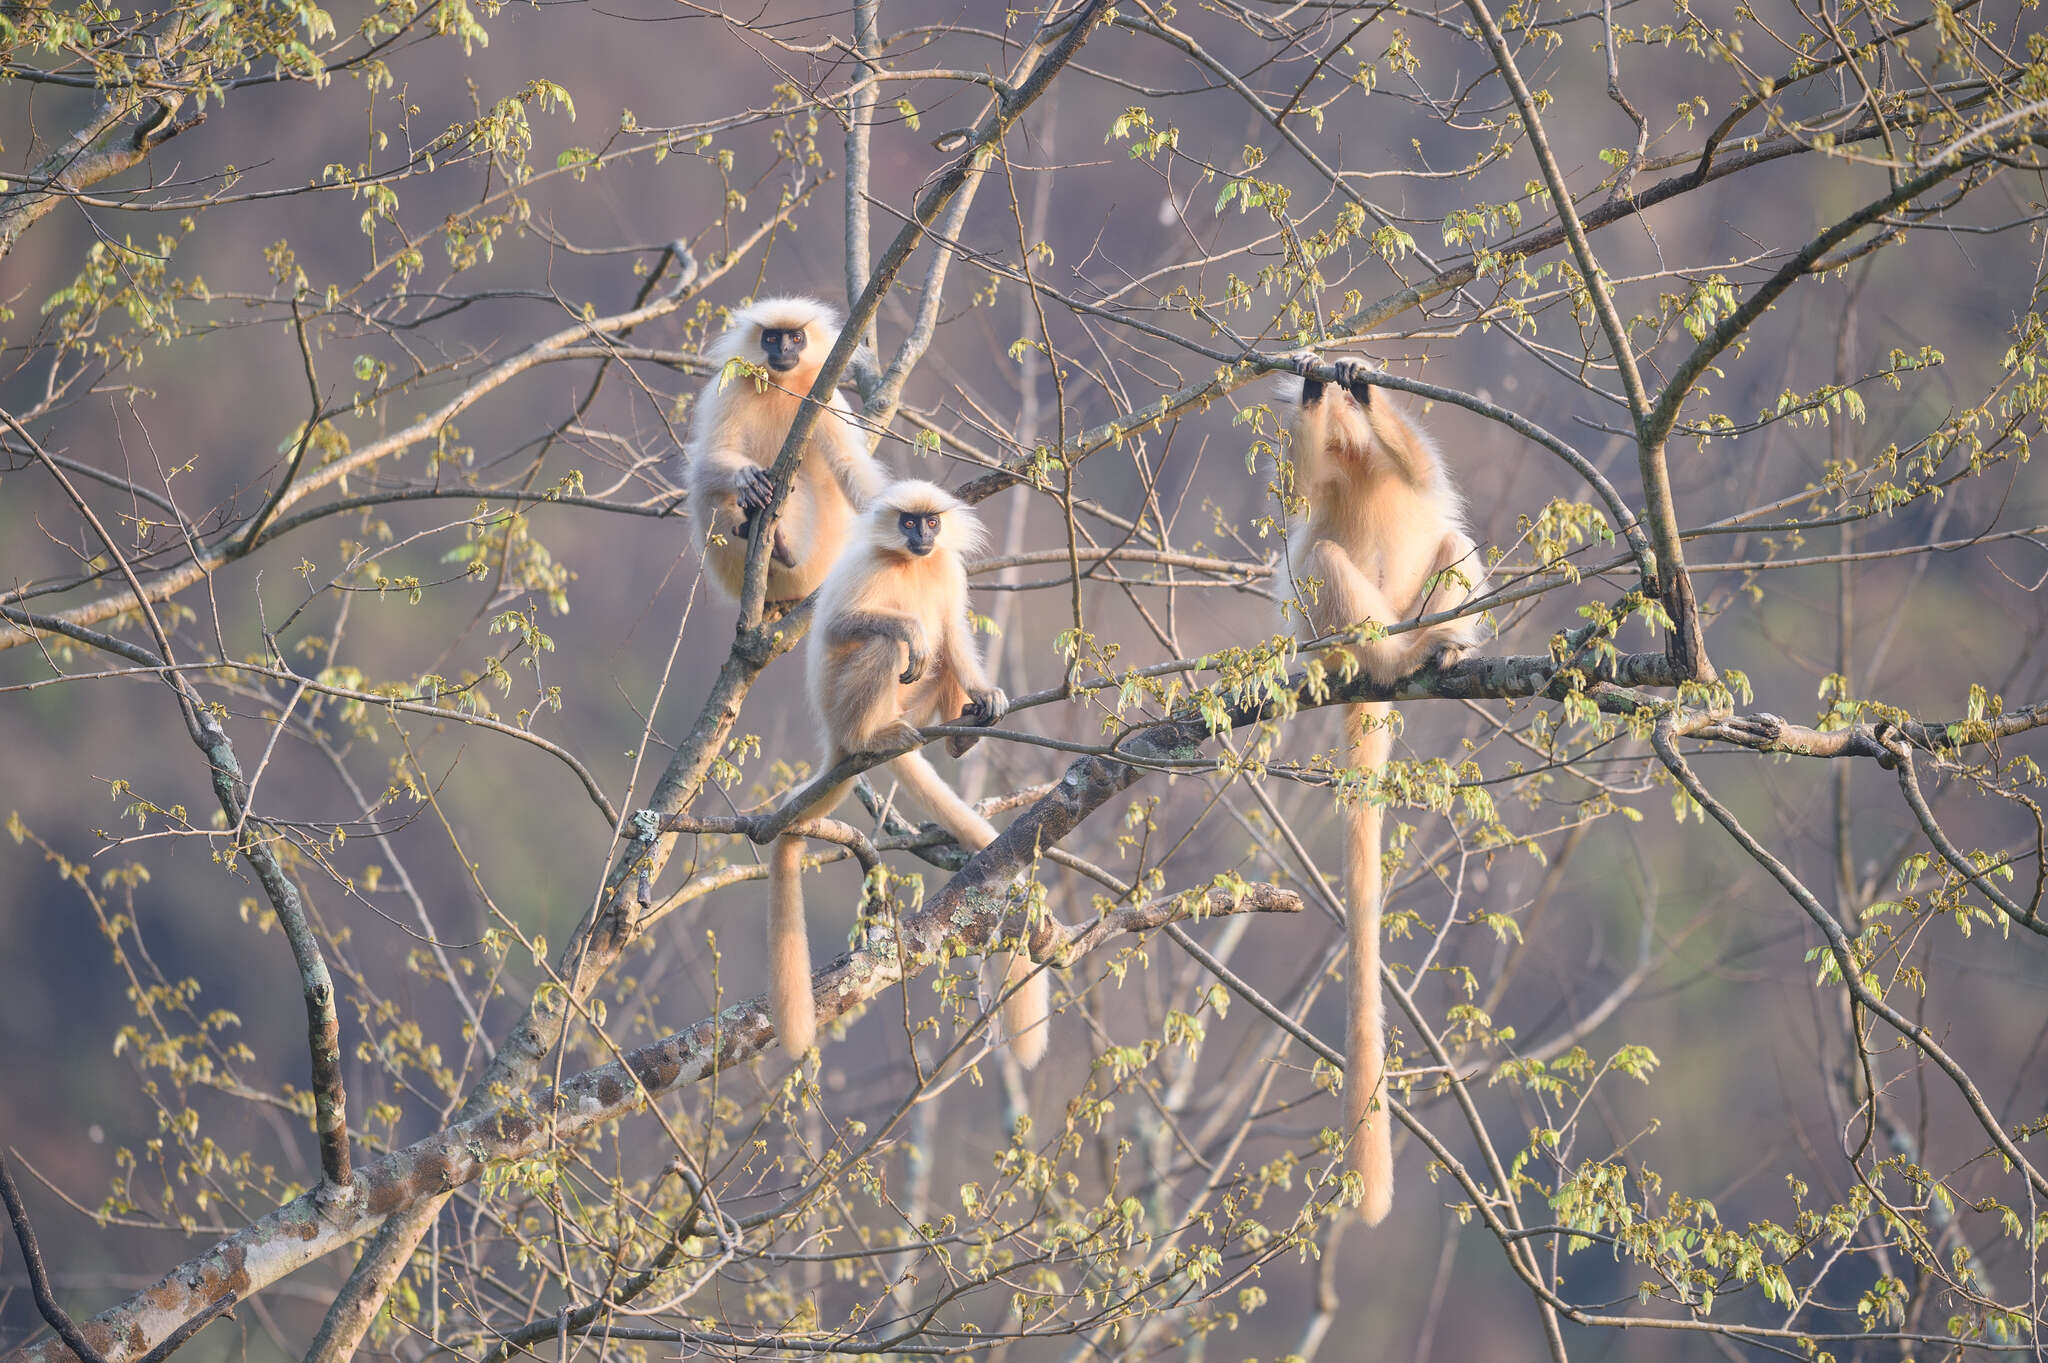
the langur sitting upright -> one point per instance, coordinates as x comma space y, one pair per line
738, 430
1382, 539
891, 648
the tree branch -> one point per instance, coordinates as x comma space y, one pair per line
968, 912
38, 1276
1674, 587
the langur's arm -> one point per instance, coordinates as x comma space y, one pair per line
860, 475
1409, 454
718, 469
1387, 428
855, 626
963, 657
986, 702
1309, 446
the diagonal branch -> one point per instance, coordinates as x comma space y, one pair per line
1843, 951
1053, 48
611, 923
969, 910
38, 1276
323, 1028
568, 340
1809, 259
1674, 586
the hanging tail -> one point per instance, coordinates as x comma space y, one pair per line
1027, 988
790, 1005
1368, 1115
1027, 1006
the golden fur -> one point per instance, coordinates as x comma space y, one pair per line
738, 429
890, 648
1382, 521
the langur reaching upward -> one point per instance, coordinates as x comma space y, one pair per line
1382, 539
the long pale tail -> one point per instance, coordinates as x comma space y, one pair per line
789, 950
790, 1005
1027, 1009
1027, 1002
1370, 1129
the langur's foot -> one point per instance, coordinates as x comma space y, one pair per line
1445, 655
985, 707
897, 734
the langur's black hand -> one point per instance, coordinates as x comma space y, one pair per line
913, 668
1353, 375
757, 489
1311, 392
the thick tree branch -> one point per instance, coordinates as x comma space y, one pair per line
968, 912
1765, 732
860, 114
118, 137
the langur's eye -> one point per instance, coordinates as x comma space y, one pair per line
931, 522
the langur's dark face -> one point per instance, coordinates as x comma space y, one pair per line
783, 347
920, 531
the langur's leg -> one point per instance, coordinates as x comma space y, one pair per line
1441, 645
1348, 596
863, 705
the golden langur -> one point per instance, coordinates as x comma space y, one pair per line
1382, 539
738, 430
891, 648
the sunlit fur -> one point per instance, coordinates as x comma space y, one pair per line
1382, 520
881, 610
739, 426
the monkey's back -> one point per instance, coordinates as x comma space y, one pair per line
1386, 521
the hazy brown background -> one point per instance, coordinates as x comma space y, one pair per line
1731, 1010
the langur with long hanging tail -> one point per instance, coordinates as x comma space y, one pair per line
737, 431
891, 648
1382, 539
